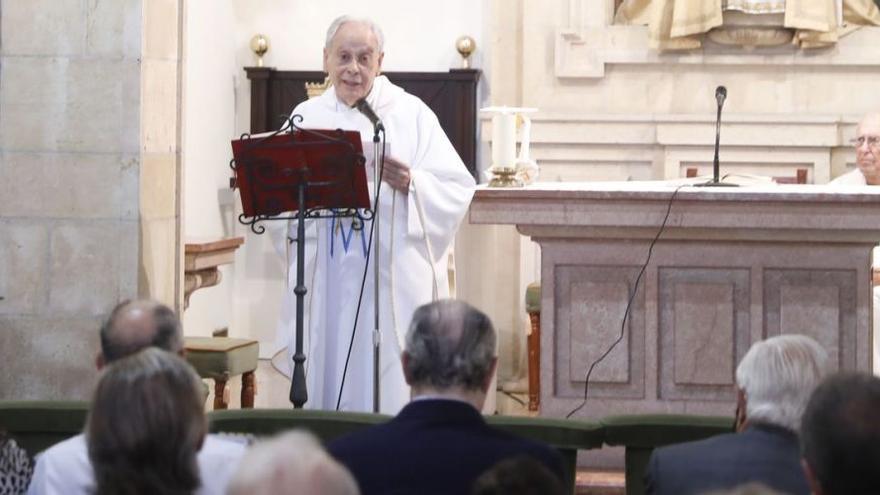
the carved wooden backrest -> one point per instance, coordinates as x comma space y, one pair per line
451, 95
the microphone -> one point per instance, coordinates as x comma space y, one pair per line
720, 95
365, 108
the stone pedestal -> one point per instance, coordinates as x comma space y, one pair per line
732, 266
202, 261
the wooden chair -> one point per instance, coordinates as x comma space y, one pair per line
533, 308
800, 176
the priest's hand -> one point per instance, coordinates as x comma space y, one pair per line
396, 174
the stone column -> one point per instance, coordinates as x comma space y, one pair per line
89, 180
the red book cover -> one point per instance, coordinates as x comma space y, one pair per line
269, 168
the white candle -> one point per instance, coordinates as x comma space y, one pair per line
504, 140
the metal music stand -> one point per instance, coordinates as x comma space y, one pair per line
314, 173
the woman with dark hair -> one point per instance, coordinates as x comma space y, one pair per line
146, 426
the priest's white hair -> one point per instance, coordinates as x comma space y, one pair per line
339, 21
778, 375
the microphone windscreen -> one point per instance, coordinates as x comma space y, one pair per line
720, 93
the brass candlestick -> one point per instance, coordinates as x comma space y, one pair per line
259, 45
465, 46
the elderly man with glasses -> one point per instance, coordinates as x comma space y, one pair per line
867, 143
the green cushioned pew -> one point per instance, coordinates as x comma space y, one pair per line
326, 425
567, 436
36, 425
39, 424
641, 434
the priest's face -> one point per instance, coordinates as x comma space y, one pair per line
352, 61
868, 148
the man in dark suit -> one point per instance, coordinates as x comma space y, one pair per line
439, 442
840, 436
774, 383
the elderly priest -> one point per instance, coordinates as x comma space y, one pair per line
425, 194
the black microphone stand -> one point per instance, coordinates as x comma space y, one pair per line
377, 335
720, 95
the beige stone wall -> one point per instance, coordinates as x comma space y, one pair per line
88, 171
160, 148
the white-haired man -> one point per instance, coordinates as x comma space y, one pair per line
426, 190
774, 382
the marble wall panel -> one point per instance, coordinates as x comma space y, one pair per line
597, 310
63, 104
161, 29
806, 310
73, 185
48, 358
588, 322
819, 303
158, 178
42, 27
160, 98
159, 262
704, 330
704, 334
84, 266
24, 254
114, 28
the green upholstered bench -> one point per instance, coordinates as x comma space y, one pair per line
565, 435
219, 358
326, 425
641, 434
36, 425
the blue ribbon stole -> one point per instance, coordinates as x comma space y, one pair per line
345, 233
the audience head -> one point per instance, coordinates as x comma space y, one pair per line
291, 463
135, 325
520, 476
752, 488
353, 53
450, 347
867, 143
777, 376
840, 435
146, 425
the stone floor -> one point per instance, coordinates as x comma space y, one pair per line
273, 389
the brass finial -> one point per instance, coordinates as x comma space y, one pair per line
259, 45
465, 46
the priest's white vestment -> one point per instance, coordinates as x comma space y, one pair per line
414, 229
856, 178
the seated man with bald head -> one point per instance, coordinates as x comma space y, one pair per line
439, 443
131, 327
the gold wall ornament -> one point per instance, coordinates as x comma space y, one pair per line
259, 45
465, 46
314, 89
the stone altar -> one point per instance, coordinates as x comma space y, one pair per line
732, 266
